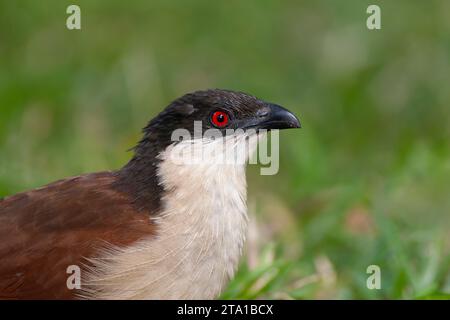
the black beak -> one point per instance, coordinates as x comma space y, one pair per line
278, 117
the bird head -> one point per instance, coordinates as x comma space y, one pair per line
202, 114
221, 110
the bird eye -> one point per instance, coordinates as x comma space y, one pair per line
220, 119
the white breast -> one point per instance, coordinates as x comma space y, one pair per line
201, 233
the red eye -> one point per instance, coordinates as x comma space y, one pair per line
219, 119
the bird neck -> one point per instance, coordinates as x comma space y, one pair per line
139, 179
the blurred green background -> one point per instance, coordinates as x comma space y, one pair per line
365, 182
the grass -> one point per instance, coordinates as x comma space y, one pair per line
365, 182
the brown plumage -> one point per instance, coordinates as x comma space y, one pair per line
60, 225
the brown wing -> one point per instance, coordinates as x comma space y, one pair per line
44, 231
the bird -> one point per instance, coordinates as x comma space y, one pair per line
156, 228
